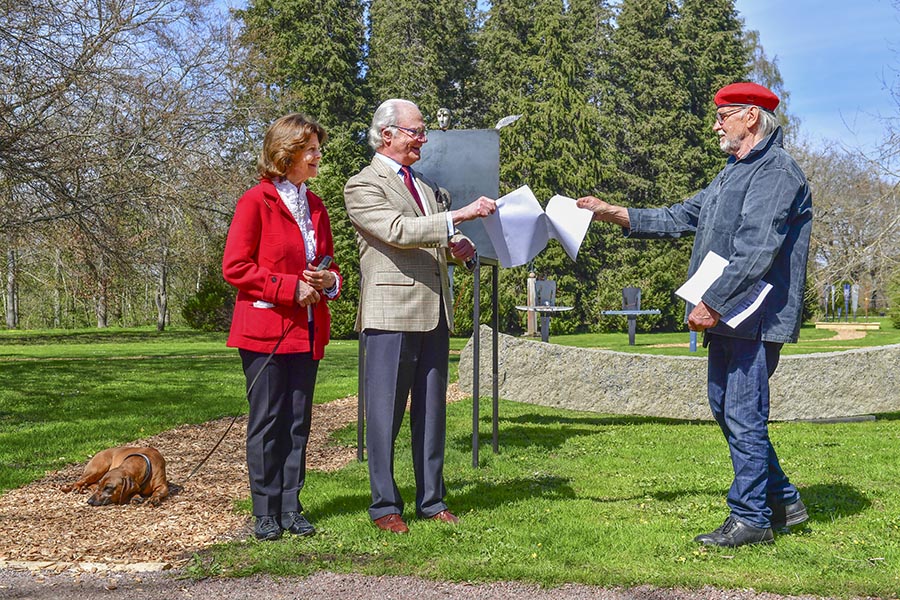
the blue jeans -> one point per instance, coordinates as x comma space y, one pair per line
738, 387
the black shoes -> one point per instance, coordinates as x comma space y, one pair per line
266, 528
788, 515
296, 523
733, 533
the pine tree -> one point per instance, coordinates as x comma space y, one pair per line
667, 61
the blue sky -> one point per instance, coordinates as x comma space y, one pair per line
836, 58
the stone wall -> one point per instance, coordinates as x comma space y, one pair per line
807, 386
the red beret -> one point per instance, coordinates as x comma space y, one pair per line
746, 93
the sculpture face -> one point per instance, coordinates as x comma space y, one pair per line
443, 118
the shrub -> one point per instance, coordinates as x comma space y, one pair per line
211, 307
894, 298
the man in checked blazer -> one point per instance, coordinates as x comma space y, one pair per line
404, 237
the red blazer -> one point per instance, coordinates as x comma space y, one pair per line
264, 258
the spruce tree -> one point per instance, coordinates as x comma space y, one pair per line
306, 56
423, 51
667, 61
538, 59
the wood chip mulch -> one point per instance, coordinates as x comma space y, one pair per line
41, 523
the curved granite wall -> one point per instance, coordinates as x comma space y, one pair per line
807, 386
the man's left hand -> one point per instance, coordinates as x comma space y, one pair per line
702, 317
462, 250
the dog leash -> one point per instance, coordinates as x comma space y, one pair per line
323, 264
287, 327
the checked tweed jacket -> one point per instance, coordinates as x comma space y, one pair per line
402, 253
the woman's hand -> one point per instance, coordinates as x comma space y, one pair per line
305, 294
320, 280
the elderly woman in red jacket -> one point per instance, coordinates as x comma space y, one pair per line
277, 255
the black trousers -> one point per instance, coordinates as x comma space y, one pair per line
400, 364
278, 428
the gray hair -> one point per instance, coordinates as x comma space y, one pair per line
768, 122
385, 116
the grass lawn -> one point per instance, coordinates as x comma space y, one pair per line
605, 500
571, 497
66, 395
812, 340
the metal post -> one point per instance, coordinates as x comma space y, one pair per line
495, 361
361, 398
476, 358
632, 328
693, 341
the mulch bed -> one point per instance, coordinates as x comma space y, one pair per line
41, 524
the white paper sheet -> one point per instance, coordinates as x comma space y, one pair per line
569, 223
710, 269
519, 229
748, 306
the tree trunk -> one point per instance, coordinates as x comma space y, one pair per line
12, 295
57, 292
102, 296
162, 298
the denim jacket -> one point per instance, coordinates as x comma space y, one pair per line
757, 213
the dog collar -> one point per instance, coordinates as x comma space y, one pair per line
149, 471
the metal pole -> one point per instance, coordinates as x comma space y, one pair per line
495, 361
361, 398
476, 359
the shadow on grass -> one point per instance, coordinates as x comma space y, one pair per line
478, 495
826, 502
531, 429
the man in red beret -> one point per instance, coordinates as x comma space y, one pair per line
757, 214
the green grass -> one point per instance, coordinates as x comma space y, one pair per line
612, 501
572, 497
812, 340
66, 395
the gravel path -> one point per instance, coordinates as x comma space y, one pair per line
327, 586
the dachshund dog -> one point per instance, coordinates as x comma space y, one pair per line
124, 472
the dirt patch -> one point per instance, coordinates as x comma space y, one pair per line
845, 334
839, 335
39, 522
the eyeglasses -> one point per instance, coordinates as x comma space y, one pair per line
720, 117
421, 133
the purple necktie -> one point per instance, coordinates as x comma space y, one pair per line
411, 186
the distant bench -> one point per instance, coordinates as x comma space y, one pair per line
631, 308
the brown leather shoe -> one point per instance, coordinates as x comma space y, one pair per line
392, 522
446, 516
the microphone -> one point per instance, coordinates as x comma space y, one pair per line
323, 264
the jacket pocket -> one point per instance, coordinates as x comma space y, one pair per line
393, 278
272, 251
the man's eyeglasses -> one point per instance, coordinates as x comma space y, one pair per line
721, 117
421, 133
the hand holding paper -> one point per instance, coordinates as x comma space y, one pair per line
711, 268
